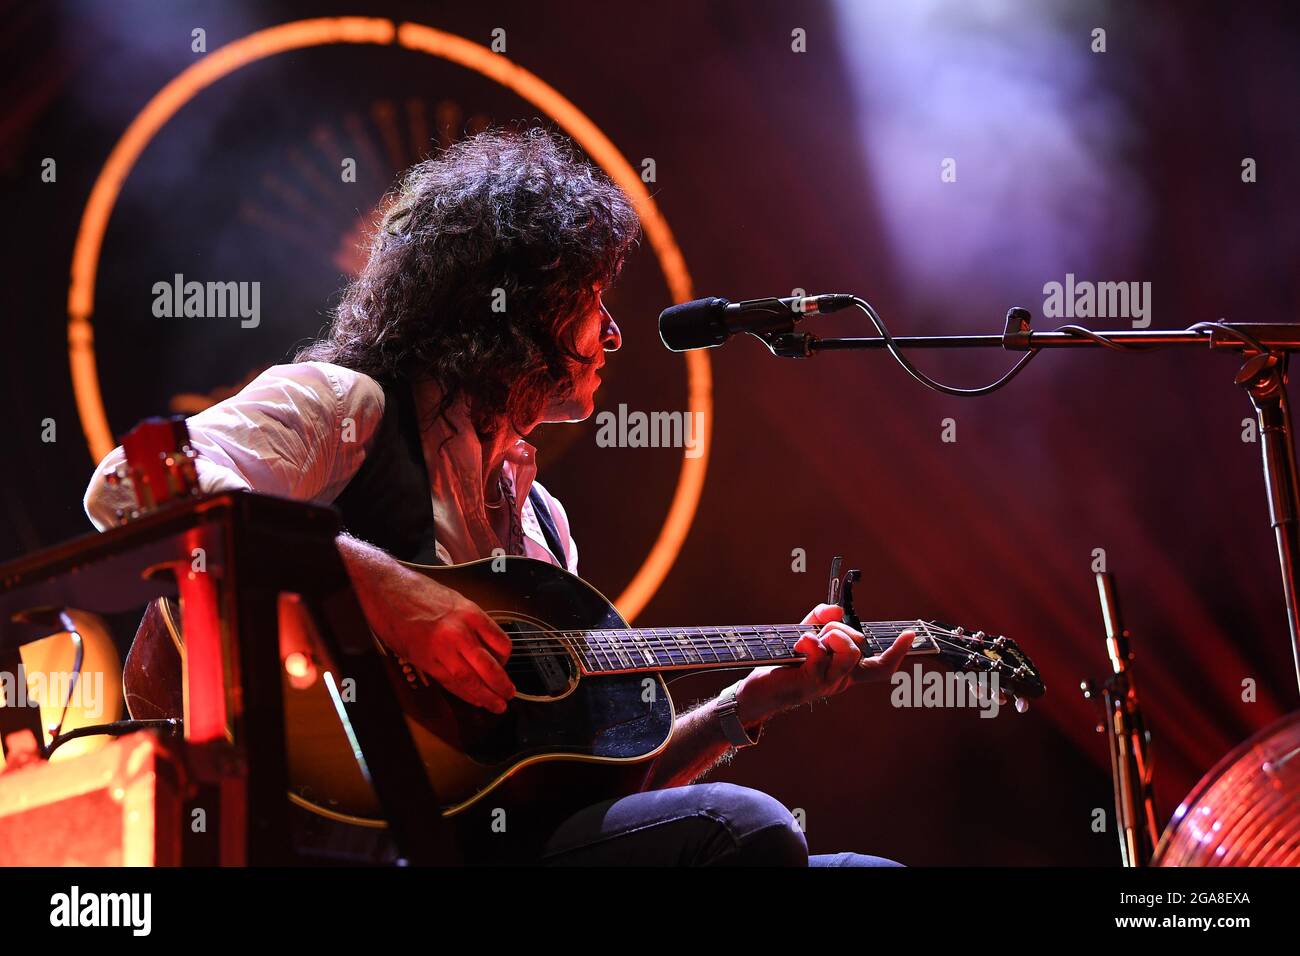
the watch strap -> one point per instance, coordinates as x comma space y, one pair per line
727, 708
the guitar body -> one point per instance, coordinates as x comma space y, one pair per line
566, 740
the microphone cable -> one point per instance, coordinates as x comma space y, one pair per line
1208, 327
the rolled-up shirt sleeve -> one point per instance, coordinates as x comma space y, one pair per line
297, 431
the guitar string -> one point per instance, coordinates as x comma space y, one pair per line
711, 636
964, 648
620, 640
699, 627
715, 632
722, 643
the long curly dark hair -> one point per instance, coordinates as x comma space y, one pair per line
506, 218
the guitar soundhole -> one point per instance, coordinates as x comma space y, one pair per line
538, 666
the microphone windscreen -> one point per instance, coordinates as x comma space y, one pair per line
697, 324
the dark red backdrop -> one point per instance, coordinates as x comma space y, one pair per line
767, 176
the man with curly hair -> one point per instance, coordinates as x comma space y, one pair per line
410, 416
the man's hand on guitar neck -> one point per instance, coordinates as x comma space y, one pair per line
834, 663
443, 634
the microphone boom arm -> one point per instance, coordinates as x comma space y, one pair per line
1266, 348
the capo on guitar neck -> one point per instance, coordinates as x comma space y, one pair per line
840, 591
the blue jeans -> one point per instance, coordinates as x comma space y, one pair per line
707, 824
710, 824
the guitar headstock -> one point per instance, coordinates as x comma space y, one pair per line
159, 464
980, 653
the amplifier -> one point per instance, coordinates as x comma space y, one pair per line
119, 805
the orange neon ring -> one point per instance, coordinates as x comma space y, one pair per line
302, 34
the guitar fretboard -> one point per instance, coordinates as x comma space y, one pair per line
682, 648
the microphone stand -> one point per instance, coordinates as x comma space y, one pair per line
1126, 733
1263, 375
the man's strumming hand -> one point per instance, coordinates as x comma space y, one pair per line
433, 627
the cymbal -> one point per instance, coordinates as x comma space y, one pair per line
1245, 811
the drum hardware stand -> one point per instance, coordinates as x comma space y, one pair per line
1265, 346
1129, 740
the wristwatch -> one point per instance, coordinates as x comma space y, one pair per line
727, 707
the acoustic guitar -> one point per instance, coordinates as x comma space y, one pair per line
590, 691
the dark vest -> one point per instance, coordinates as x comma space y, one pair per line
387, 501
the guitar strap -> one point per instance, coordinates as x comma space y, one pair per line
549, 531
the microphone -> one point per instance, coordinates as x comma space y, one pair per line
707, 323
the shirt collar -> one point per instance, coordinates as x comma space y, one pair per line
453, 457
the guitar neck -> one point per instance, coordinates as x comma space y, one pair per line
650, 649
